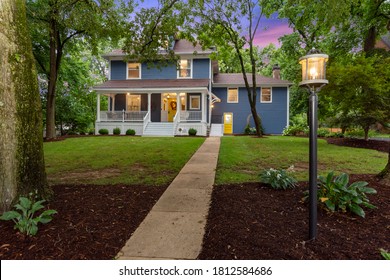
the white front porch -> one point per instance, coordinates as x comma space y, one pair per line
160, 114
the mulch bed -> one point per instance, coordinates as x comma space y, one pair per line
246, 221
382, 146
253, 221
93, 222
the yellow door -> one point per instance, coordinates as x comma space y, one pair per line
228, 123
172, 109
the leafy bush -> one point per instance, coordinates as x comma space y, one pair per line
91, 132
323, 132
116, 131
192, 131
25, 220
278, 179
103, 131
249, 130
130, 132
358, 133
335, 135
293, 130
335, 194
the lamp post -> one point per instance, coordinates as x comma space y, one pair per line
314, 78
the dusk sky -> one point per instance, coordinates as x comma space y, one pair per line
269, 30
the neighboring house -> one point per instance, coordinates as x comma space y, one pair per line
383, 42
169, 100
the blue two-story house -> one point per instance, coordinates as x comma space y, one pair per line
169, 100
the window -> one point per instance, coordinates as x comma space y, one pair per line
232, 95
184, 69
133, 102
195, 102
266, 95
133, 70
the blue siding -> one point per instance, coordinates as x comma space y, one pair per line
201, 68
274, 115
118, 70
159, 72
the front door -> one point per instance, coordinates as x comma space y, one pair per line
172, 108
228, 123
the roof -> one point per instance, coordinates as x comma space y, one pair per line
237, 79
151, 84
181, 46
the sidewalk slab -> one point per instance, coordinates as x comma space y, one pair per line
175, 226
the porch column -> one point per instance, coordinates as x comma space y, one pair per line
149, 106
113, 103
210, 107
178, 106
203, 106
98, 108
109, 103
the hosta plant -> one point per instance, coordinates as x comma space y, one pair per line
337, 195
385, 254
278, 179
25, 217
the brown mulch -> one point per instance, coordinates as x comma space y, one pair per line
379, 145
93, 222
253, 221
246, 221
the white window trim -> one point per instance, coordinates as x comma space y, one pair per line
227, 97
191, 69
127, 71
261, 95
193, 97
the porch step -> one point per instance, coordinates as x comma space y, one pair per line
216, 129
159, 129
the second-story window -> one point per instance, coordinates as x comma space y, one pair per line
184, 68
133, 70
232, 95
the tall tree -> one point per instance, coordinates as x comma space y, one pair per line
56, 24
22, 167
233, 24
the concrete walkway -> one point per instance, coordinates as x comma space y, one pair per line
174, 228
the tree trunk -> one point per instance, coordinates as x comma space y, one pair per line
370, 40
385, 173
22, 168
366, 130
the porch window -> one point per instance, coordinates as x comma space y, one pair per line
232, 95
133, 102
266, 95
184, 68
133, 70
183, 101
195, 102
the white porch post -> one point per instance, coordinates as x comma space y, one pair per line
109, 103
203, 106
149, 106
210, 107
178, 106
113, 103
98, 108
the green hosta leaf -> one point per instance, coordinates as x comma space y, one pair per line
385, 254
342, 180
33, 230
10, 215
330, 205
368, 205
368, 190
37, 206
357, 200
25, 202
357, 210
359, 184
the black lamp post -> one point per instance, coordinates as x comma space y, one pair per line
314, 78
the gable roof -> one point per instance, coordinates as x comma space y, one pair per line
237, 79
180, 47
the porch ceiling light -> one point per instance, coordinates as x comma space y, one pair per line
314, 69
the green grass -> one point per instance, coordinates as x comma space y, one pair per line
241, 159
118, 160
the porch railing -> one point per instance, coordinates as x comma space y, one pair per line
146, 121
190, 115
122, 116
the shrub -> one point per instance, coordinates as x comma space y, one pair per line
91, 132
323, 132
116, 131
358, 133
103, 131
249, 130
278, 179
24, 219
336, 195
335, 135
130, 132
293, 130
192, 131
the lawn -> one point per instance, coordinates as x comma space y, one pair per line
118, 160
242, 158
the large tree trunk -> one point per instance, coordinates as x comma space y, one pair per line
385, 173
22, 168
